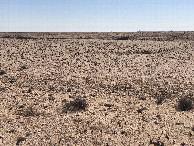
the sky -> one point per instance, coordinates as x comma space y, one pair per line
96, 15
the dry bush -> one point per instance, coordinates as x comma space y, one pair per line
6, 36
75, 105
123, 38
185, 104
28, 112
158, 143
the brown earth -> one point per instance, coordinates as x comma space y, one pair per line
94, 89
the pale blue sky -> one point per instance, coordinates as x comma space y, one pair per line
96, 15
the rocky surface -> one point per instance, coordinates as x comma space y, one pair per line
97, 91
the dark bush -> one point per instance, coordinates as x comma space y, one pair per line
28, 112
142, 51
161, 95
123, 38
6, 36
146, 52
185, 104
157, 143
75, 105
22, 37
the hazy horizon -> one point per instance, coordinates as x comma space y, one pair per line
96, 16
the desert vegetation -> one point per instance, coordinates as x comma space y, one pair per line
185, 104
97, 88
75, 105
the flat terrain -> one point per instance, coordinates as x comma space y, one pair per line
97, 88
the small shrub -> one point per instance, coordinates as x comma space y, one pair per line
123, 38
6, 36
143, 51
161, 95
157, 143
28, 112
185, 104
22, 37
159, 100
75, 105
146, 52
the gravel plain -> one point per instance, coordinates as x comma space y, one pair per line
128, 89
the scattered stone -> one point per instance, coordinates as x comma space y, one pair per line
51, 88
107, 105
12, 80
182, 144
68, 90
2, 72
23, 67
190, 134
124, 133
29, 90
167, 137
142, 98
140, 110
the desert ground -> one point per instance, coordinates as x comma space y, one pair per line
108, 89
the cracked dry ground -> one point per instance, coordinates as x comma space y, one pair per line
131, 89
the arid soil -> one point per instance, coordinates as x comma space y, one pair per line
97, 89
